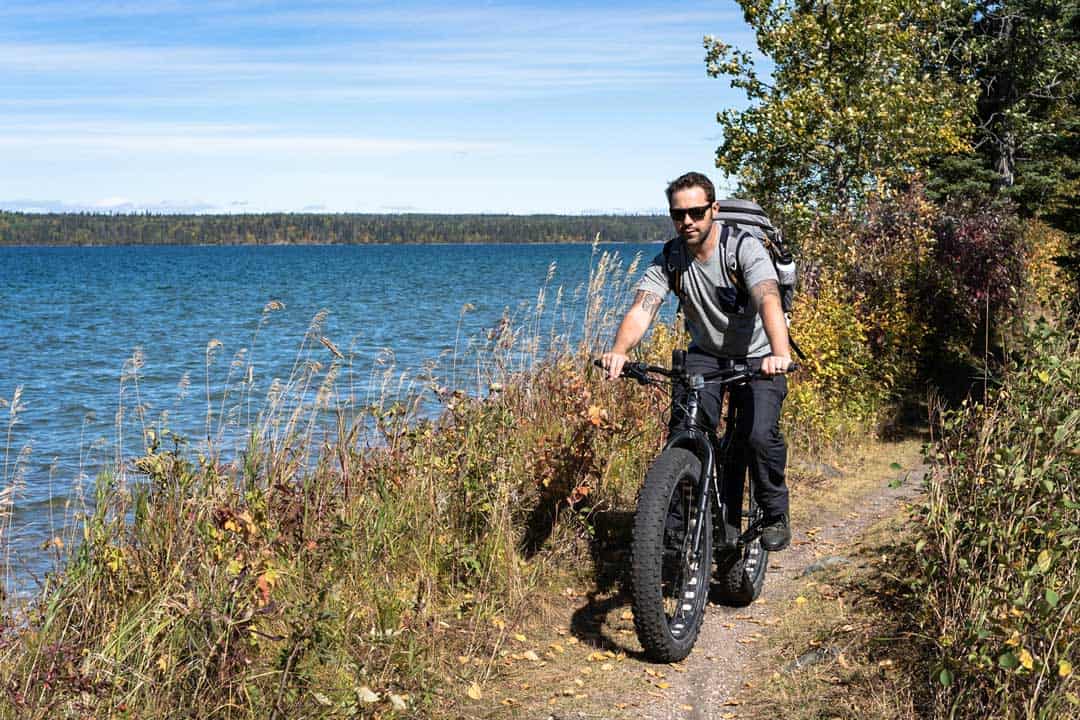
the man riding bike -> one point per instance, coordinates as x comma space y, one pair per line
731, 301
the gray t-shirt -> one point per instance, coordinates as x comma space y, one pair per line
718, 332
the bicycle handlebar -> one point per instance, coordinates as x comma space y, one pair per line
640, 371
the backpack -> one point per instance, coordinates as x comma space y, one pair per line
740, 219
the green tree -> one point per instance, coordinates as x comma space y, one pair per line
860, 94
1024, 56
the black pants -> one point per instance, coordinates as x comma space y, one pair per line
758, 443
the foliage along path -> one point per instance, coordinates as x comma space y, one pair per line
584, 660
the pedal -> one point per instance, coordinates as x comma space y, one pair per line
730, 539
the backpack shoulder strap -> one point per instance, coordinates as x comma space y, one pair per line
734, 273
676, 263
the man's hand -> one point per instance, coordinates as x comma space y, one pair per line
775, 364
613, 362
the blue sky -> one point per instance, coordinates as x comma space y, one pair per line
246, 106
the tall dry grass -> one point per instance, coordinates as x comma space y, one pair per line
355, 547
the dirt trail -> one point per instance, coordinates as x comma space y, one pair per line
714, 672
704, 686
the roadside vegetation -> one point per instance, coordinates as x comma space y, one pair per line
383, 567
996, 580
926, 158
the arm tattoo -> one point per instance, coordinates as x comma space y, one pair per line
762, 290
649, 303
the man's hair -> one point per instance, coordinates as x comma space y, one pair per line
691, 180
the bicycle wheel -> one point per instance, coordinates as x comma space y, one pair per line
670, 579
740, 575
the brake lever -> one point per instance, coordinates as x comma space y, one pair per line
636, 371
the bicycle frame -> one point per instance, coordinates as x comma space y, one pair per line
703, 441
712, 451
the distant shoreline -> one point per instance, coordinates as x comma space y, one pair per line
23, 229
319, 244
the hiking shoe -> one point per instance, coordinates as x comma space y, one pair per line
775, 535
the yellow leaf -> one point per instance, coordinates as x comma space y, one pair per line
1014, 640
800, 600
627, 615
475, 693
163, 663
663, 685
1064, 668
230, 525
1026, 660
463, 659
556, 647
249, 522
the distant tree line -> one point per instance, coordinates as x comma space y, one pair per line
322, 229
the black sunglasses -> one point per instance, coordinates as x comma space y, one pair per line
695, 213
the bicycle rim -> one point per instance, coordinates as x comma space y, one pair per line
684, 577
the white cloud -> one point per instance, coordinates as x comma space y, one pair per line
381, 64
113, 202
108, 205
218, 140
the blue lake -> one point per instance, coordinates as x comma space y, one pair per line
72, 318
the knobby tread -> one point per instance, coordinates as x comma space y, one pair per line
734, 586
647, 553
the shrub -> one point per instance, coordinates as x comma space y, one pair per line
1045, 276
858, 316
978, 277
997, 576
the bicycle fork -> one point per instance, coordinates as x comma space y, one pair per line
699, 442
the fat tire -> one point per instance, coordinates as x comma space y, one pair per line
671, 472
735, 586
740, 576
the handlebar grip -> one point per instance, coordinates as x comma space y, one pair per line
634, 370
